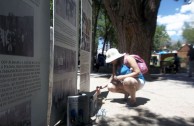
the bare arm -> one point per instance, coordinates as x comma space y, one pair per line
132, 64
111, 78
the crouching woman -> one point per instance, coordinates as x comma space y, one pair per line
126, 76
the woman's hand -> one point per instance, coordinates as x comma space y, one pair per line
115, 77
118, 77
102, 87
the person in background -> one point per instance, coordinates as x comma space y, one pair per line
126, 76
190, 58
155, 60
176, 63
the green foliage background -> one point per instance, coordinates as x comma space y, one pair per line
188, 32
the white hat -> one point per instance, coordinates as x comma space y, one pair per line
113, 54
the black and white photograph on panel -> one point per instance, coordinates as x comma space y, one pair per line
16, 28
67, 10
19, 115
86, 28
64, 60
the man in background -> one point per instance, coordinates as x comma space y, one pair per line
190, 56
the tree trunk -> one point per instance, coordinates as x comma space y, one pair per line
135, 23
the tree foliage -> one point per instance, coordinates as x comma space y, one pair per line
161, 37
102, 26
176, 46
105, 29
188, 33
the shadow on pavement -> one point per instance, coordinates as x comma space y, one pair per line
146, 118
102, 76
118, 100
182, 77
139, 101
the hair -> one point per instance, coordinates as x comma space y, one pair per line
119, 62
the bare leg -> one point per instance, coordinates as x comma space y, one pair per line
131, 85
116, 86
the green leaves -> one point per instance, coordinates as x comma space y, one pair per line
161, 37
188, 33
105, 28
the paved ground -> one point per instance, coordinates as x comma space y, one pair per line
166, 101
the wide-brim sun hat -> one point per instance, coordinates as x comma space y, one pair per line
113, 54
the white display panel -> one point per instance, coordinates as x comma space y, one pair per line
85, 45
65, 56
24, 62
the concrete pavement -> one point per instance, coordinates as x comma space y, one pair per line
168, 100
